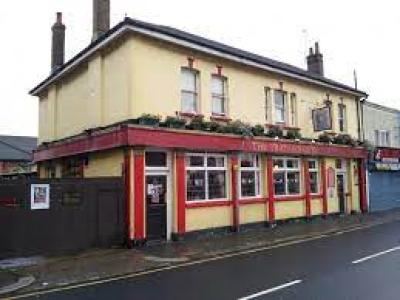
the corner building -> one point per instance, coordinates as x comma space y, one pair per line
180, 182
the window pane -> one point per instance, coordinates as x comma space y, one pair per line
293, 179
196, 185
217, 85
312, 164
313, 182
195, 161
292, 164
248, 183
216, 185
278, 163
188, 80
279, 183
247, 160
189, 101
218, 105
279, 102
156, 159
215, 161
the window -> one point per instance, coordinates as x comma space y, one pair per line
205, 177
342, 117
286, 176
267, 93
156, 159
279, 103
340, 164
313, 170
382, 138
72, 168
293, 103
249, 175
189, 90
218, 93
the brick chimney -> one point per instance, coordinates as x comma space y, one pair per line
101, 18
315, 62
58, 44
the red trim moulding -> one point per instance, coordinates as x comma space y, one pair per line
139, 196
167, 138
270, 184
324, 188
307, 195
208, 204
234, 186
128, 194
181, 193
362, 185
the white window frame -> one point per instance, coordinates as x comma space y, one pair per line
315, 170
382, 138
293, 109
285, 170
256, 169
223, 96
342, 117
206, 169
282, 109
159, 168
195, 92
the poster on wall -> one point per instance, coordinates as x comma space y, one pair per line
40, 196
322, 119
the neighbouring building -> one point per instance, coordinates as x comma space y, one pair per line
16, 156
382, 132
181, 181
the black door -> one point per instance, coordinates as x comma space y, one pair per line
341, 192
156, 201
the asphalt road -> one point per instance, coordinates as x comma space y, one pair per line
363, 264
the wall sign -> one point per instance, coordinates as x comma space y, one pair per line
322, 119
40, 196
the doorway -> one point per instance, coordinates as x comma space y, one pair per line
156, 207
341, 192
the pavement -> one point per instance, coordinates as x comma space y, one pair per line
103, 267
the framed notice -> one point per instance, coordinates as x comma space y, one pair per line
322, 118
40, 196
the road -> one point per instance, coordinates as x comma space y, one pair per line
363, 264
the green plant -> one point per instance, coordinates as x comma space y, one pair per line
275, 131
258, 130
213, 126
197, 123
175, 122
344, 139
293, 134
325, 138
237, 127
149, 119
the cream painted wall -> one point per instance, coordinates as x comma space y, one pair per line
252, 213
289, 209
105, 163
140, 75
210, 217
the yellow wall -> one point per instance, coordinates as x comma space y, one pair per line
316, 207
210, 217
139, 75
289, 209
252, 213
103, 164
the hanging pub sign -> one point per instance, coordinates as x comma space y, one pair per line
40, 196
322, 118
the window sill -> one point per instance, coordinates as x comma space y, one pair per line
220, 118
189, 114
208, 203
254, 200
289, 198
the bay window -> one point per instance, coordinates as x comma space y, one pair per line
286, 174
205, 176
189, 90
218, 93
249, 175
313, 170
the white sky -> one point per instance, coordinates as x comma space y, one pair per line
353, 34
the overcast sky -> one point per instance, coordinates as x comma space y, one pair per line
361, 35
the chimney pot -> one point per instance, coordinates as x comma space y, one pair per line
101, 18
316, 48
58, 43
315, 63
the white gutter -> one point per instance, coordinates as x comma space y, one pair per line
193, 46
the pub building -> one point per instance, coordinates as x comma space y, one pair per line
158, 107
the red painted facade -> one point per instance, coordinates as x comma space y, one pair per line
307, 187
139, 183
271, 196
181, 192
235, 196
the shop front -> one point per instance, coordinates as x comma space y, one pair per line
183, 183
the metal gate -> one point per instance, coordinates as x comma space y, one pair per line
384, 190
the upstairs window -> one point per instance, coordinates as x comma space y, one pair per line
219, 95
189, 90
382, 138
342, 117
280, 106
293, 110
